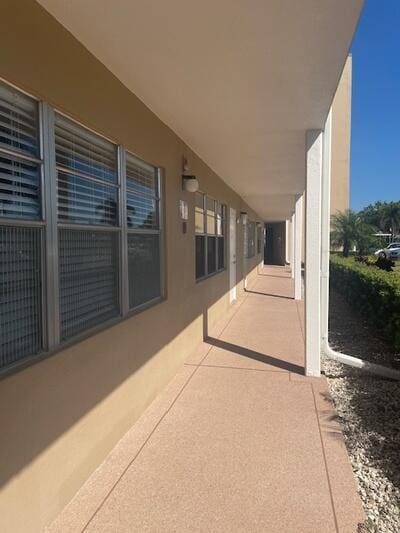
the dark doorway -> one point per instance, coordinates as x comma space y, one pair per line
274, 252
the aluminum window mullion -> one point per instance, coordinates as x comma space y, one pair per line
51, 231
88, 227
161, 224
124, 281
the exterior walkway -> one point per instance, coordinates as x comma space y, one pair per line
239, 441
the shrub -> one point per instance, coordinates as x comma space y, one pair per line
373, 292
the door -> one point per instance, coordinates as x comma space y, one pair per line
232, 255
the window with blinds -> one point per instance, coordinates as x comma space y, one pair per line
144, 235
250, 241
210, 236
80, 230
20, 165
259, 238
21, 238
87, 196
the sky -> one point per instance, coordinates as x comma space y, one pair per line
375, 141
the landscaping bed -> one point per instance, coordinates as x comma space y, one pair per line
373, 293
369, 412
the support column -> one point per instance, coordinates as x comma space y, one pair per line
325, 228
314, 147
287, 243
298, 233
292, 237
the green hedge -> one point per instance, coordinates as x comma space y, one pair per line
372, 292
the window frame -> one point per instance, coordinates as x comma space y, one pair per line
251, 241
214, 235
39, 223
160, 210
50, 225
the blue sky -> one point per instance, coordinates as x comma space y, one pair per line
375, 143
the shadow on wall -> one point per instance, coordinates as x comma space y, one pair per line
41, 402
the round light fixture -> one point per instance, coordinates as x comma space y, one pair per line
190, 183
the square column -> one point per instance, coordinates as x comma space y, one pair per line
314, 148
298, 234
292, 238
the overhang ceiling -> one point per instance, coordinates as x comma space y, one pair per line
240, 81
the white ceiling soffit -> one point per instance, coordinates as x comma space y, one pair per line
276, 207
240, 81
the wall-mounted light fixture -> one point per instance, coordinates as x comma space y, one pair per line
243, 214
189, 182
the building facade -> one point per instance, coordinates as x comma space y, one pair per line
112, 272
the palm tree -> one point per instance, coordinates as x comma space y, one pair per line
348, 229
390, 216
344, 230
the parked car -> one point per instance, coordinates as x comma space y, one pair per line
392, 251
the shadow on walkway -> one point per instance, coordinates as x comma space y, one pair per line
257, 356
268, 294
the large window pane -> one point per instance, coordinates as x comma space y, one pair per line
142, 194
221, 253
199, 213
211, 255
85, 201
251, 229
19, 188
20, 293
88, 265
18, 122
143, 268
200, 256
84, 152
211, 216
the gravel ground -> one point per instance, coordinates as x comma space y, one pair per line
369, 411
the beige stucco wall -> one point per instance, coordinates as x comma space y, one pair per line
341, 131
60, 417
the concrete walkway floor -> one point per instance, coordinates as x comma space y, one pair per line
240, 441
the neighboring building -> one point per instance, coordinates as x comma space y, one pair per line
110, 270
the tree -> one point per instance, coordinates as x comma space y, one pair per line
344, 230
390, 217
348, 229
384, 216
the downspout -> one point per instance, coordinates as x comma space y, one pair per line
345, 359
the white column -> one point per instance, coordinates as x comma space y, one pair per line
325, 228
292, 237
287, 242
314, 146
298, 234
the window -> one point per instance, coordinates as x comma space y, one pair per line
221, 225
210, 235
21, 228
144, 236
251, 235
97, 252
259, 238
88, 256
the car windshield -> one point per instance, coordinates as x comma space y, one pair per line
394, 245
